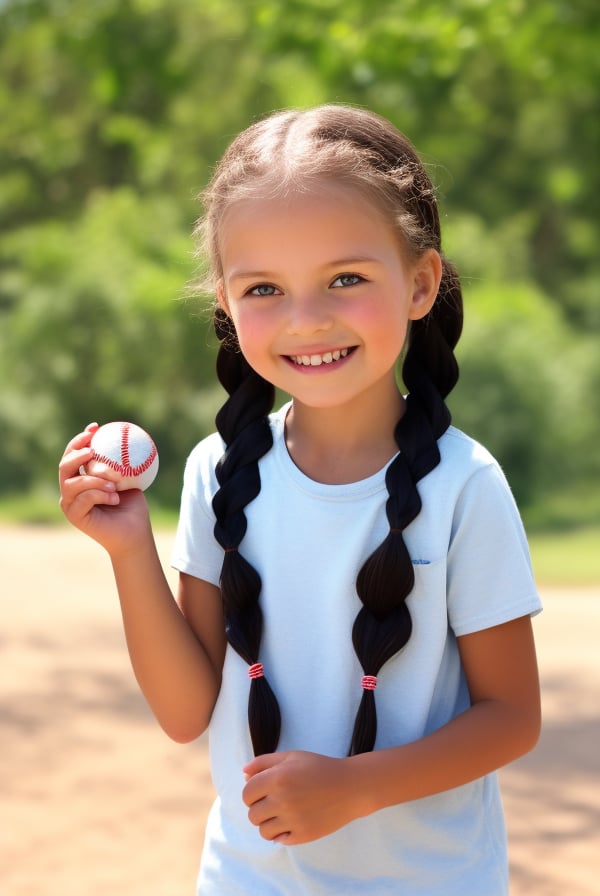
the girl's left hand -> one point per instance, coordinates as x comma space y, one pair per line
296, 797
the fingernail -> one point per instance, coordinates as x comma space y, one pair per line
110, 487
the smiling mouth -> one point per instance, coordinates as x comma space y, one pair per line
317, 360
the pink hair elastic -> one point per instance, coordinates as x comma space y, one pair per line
256, 671
369, 682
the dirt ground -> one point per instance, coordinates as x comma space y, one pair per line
95, 799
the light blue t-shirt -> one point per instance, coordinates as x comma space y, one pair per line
308, 540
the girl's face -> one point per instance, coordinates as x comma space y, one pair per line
321, 293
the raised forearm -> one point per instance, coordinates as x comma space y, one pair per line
171, 666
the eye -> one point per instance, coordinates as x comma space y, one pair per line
262, 289
347, 280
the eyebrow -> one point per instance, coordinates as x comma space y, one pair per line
336, 263
250, 275
354, 259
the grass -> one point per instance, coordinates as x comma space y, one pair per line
40, 508
35, 508
562, 556
567, 559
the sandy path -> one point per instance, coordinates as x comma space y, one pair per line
96, 799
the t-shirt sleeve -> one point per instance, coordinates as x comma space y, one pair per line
195, 550
490, 579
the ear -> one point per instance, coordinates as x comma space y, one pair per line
427, 274
222, 298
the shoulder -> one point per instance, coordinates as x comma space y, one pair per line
482, 499
465, 461
464, 453
468, 481
462, 459
204, 457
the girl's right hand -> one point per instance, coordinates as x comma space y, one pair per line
117, 520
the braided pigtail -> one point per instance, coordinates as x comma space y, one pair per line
243, 425
383, 624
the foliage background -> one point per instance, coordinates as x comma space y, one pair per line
111, 116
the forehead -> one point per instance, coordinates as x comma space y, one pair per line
330, 222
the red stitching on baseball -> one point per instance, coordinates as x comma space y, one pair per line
125, 445
123, 468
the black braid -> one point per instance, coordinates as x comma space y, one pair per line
244, 427
383, 624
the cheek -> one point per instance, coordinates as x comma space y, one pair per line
384, 323
252, 330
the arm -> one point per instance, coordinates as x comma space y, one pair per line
176, 653
297, 797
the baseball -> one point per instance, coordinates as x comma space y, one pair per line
126, 449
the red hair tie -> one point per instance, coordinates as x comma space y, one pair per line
256, 671
369, 682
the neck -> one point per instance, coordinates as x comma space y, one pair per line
343, 444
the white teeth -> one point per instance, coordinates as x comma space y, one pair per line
317, 360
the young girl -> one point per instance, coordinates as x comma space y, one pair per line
353, 617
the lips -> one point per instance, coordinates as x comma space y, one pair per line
317, 359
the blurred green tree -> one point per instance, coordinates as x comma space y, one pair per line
112, 114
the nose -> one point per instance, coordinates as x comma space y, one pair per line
309, 313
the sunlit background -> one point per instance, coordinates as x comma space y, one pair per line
111, 116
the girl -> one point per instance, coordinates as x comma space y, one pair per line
353, 617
